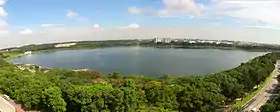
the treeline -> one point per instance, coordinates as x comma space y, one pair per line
262, 47
15, 51
87, 91
113, 43
79, 44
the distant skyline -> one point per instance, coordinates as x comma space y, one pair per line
43, 21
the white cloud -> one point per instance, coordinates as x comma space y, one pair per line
168, 14
51, 35
265, 11
4, 32
96, 26
3, 13
2, 2
3, 24
50, 25
130, 26
26, 32
180, 7
72, 14
164, 13
274, 27
135, 10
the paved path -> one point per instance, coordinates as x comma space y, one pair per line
264, 95
5, 106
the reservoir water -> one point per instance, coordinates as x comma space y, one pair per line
147, 61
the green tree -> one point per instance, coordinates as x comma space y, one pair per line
115, 75
166, 79
54, 100
130, 83
229, 85
133, 101
162, 96
202, 99
30, 94
267, 108
161, 109
88, 98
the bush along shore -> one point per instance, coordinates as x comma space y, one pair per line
61, 90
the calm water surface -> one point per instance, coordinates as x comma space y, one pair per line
143, 60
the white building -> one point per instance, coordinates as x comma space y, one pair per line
206, 41
157, 40
227, 43
65, 45
164, 40
28, 52
192, 41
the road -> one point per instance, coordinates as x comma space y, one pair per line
264, 95
5, 106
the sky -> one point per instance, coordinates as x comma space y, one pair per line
25, 22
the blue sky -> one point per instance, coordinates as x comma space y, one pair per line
55, 20
107, 13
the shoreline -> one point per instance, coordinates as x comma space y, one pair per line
160, 47
86, 69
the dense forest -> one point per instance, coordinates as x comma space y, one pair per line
61, 90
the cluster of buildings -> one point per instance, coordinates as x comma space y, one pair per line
193, 41
197, 41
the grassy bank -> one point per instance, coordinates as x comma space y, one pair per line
11, 55
14, 55
250, 96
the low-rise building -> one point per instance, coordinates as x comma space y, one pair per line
227, 43
28, 52
65, 45
192, 42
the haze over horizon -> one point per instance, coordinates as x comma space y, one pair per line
45, 21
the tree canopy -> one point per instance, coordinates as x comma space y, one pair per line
61, 90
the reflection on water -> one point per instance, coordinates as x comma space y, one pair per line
143, 60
